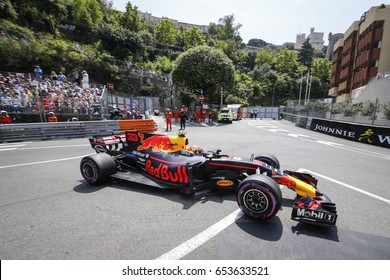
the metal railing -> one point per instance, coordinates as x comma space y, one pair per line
64, 130
368, 112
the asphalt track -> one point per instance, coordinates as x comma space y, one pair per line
48, 212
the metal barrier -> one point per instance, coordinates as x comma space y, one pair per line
45, 131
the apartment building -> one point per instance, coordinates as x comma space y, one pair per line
332, 38
362, 53
150, 18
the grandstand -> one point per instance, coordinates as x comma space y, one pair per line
28, 99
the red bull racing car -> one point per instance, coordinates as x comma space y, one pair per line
168, 162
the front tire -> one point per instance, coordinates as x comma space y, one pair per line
259, 197
269, 159
97, 168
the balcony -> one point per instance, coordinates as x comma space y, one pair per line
376, 54
378, 35
333, 91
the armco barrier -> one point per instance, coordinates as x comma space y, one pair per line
45, 131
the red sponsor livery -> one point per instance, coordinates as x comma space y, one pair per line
178, 174
157, 143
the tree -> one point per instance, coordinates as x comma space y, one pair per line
131, 19
192, 37
120, 42
228, 37
258, 43
228, 30
204, 69
322, 68
166, 33
7, 11
163, 65
87, 14
285, 61
246, 60
264, 57
27, 11
306, 54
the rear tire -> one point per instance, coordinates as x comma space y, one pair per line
97, 168
269, 159
259, 197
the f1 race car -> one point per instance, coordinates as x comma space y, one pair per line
168, 162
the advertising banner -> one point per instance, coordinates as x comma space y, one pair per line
374, 135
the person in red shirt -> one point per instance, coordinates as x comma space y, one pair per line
176, 114
168, 119
197, 114
52, 117
204, 115
5, 118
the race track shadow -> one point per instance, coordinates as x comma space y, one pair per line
270, 230
173, 195
84, 187
323, 232
190, 200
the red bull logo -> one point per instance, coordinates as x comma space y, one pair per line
178, 174
157, 143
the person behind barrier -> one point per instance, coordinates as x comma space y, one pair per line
4, 118
128, 113
116, 115
52, 117
38, 73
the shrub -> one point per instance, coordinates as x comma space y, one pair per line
350, 109
368, 108
386, 110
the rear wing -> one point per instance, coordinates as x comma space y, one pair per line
104, 143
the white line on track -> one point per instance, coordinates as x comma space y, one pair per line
196, 241
7, 146
55, 147
345, 185
7, 149
42, 162
10, 147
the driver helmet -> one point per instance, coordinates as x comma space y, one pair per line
196, 149
3, 112
51, 114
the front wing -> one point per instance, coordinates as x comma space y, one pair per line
324, 215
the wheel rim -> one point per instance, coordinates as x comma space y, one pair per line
256, 201
88, 171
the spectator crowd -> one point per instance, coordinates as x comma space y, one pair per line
28, 93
